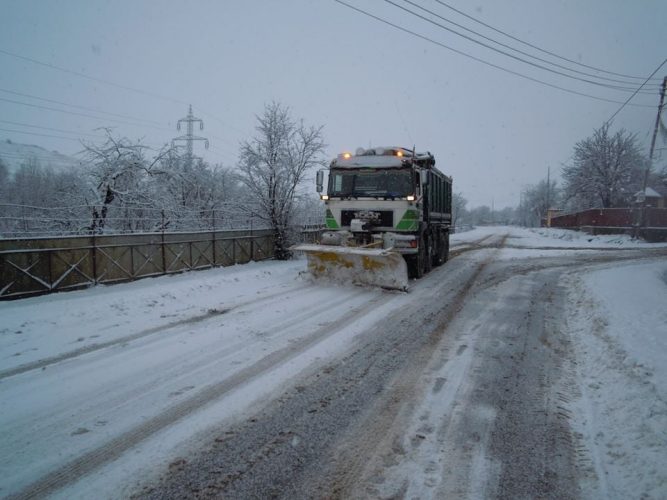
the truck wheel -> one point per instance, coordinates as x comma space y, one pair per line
436, 246
439, 249
415, 267
425, 250
445, 251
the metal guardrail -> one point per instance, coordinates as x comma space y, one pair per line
45, 265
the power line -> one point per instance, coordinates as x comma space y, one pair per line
76, 113
92, 78
528, 44
522, 52
150, 145
106, 82
474, 58
630, 98
77, 106
20, 156
39, 135
507, 54
52, 129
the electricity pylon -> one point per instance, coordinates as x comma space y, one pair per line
189, 137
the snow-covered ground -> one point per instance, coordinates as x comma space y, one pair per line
137, 350
551, 238
79, 370
618, 322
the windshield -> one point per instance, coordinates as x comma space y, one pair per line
378, 183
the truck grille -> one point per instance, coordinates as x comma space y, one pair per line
386, 217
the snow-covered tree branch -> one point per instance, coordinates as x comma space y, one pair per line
606, 170
273, 165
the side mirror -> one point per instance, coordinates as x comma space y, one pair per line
319, 181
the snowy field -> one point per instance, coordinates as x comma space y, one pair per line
167, 335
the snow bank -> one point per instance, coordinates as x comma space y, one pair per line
618, 322
550, 238
566, 238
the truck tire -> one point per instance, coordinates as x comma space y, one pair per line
440, 255
417, 263
415, 269
427, 260
436, 248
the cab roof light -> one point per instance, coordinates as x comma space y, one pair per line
347, 155
399, 153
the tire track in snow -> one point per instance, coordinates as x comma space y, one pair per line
354, 455
112, 450
211, 313
468, 246
186, 368
285, 450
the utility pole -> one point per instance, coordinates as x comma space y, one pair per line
657, 118
546, 216
189, 137
548, 187
642, 196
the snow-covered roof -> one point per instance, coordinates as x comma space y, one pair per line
379, 157
369, 161
649, 193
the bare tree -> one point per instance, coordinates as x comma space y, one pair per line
606, 170
119, 170
458, 208
4, 178
5, 190
536, 200
192, 193
273, 164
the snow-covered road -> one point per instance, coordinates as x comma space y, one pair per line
252, 380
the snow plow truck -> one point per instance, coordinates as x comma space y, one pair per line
388, 217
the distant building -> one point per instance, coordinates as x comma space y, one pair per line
647, 217
655, 197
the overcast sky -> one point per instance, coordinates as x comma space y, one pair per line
368, 83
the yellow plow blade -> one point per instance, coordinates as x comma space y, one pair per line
361, 266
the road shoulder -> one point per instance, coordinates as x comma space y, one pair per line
620, 420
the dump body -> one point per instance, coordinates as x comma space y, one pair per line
388, 199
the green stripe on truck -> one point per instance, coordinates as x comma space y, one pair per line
410, 221
330, 220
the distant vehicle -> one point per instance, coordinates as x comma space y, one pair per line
388, 218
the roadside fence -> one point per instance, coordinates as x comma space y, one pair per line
35, 266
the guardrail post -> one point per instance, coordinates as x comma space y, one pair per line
164, 257
93, 258
50, 265
132, 262
213, 247
252, 243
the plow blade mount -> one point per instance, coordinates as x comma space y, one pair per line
362, 266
